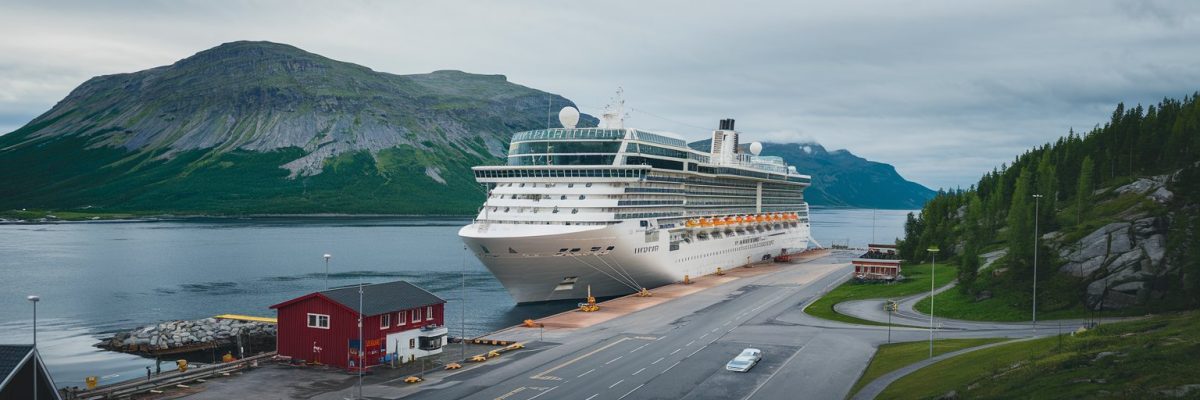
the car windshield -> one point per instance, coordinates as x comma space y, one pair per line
748, 353
739, 363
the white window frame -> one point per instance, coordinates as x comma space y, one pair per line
402, 318
417, 314
385, 321
309, 320
429, 313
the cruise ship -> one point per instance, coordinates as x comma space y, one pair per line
614, 210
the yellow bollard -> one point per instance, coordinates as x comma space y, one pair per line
720, 272
91, 382
412, 379
453, 366
182, 365
687, 280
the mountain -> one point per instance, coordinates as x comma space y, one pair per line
842, 179
267, 128
259, 127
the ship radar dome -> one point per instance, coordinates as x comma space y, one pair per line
755, 148
568, 116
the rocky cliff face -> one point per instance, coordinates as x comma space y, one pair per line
1123, 259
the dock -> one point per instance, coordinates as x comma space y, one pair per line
574, 319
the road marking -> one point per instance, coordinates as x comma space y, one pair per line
780, 368
613, 360
639, 347
697, 350
543, 375
544, 392
726, 322
631, 391
676, 351
689, 343
702, 336
592, 396
615, 384
646, 337
585, 373
511, 392
639, 371
715, 329
656, 361
669, 368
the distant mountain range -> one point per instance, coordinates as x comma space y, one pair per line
266, 128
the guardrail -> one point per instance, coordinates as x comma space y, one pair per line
130, 387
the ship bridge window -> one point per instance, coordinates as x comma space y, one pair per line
564, 197
581, 197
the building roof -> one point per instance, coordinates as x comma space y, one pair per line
11, 356
377, 298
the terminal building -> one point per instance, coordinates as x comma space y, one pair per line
399, 321
881, 262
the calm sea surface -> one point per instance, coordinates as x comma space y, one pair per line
97, 278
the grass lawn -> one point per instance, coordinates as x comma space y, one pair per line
917, 282
891, 357
1136, 359
1007, 306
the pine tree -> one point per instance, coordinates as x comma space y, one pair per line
1083, 190
1020, 224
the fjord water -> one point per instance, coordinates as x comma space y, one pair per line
96, 278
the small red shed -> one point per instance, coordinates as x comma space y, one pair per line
399, 320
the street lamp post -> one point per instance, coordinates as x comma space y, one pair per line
1036, 208
360, 338
34, 299
932, 275
327, 257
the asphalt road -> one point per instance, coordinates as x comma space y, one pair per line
679, 349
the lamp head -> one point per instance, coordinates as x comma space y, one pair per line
33, 298
328, 256
1037, 196
932, 250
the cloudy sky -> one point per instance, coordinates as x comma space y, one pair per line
943, 90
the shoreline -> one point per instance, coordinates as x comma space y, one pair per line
222, 217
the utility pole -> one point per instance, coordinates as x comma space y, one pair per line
932, 275
1036, 208
327, 257
360, 338
35, 299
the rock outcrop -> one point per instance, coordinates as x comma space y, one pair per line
1122, 259
180, 336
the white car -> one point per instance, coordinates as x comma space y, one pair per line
743, 362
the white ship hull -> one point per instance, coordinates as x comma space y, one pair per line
528, 259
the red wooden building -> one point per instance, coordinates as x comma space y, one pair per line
400, 320
881, 262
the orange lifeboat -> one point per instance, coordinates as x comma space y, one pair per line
719, 221
761, 218
792, 217
706, 222
692, 224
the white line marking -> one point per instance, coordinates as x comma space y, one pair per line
613, 360
656, 361
697, 350
676, 351
690, 343
615, 384
639, 347
669, 368
715, 329
631, 391
660, 338
639, 371
781, 367
544, 392
592, 396
585, 373
702, 336
726, 322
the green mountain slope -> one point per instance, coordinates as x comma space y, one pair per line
258, 127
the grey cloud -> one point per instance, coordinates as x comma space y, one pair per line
944, 90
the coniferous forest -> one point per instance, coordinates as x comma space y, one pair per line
1075, 177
